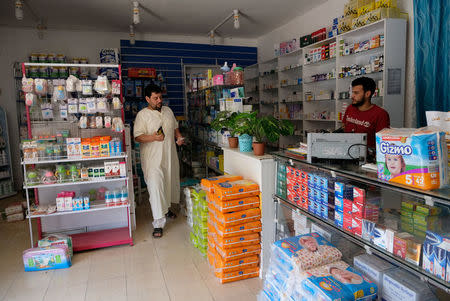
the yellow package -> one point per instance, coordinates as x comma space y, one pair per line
236, 241
243, 229
237, 205
235, 190
207, 184
223, 267
238, 217
365, 6
239, 275
238, 253
385, 3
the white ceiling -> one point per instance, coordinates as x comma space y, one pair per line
185, 17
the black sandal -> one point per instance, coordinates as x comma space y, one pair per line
171, 215
157, 232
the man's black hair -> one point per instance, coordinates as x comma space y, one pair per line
367, 83
152, 88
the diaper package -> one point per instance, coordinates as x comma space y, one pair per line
243, 229
48, 258
56, 240
237, 205
222, 267
235, 190
413, 157
236, 241
305, 251
239, 275
207, 184
337, 282
238, 217
239, 252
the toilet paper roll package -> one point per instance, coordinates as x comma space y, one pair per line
305, 252
413, 157
337, 281
48, 258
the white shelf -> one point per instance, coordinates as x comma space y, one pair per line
298, 51
365, 52
322, 62
123, 155
360, 30
290, 69
320, 43
367, 74
73, 65
95, 206
320, 81
100, 180
291, 85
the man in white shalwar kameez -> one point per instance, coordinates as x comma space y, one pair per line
159, 156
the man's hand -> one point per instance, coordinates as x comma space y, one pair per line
180, 140
157, 137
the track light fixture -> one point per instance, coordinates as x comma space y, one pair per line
136, 15
211, 38
19, 10
236, 19
132, 35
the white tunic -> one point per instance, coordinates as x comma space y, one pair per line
159, 159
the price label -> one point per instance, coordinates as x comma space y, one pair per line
291, 163
429, 200
333, 174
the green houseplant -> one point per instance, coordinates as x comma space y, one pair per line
226, 120
244, 123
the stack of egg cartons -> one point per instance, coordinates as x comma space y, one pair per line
199, 233
235, 223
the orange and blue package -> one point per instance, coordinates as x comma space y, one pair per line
207, 184
235, 190
237, 205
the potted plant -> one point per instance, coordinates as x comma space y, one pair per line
243, 129
270, 128
226, 120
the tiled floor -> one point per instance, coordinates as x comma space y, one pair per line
163, 269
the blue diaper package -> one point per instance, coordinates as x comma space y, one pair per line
337, 281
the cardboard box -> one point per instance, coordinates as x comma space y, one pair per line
359, 195
379, 237
357, 210
413, 248
357, 226
390, 240
348, 207
339, 203
348, 223
400, 244
428, 257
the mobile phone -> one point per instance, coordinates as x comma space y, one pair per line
160, 131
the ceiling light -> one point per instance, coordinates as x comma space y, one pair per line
236, 18
19, 10
136, 17
211, 38
132, 35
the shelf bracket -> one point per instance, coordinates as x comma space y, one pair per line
429, 200
368, 249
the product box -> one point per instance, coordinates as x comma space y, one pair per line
379, 237
324, 211
357, 210
207, 184
73, 148
347, 223
339, 218
304, 203
359, 195
401, 285
48, 258
428, 257
368, 228
54, 240
398, 163
339, 203
304, 178
222, 267
357, 226
348, 207
390, 240
400, 244
373, 268
413, 248
447, 272
237, 205
239, 252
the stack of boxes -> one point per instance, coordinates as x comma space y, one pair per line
234, 226
199, 233
281, 181
417, 218
436, 255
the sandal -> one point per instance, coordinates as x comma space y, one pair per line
157, 232
171, 215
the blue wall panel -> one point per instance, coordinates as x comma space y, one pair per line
167, 57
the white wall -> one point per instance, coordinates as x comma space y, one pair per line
18, 43
322, 16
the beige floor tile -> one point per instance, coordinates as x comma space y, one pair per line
148, 286
107, 269
6, 280
107, 290
242, 297
71, 292
72, 276
185, 291
32, 280
20, 294
255, 285
107, 254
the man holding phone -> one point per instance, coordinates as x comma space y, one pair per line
156, 129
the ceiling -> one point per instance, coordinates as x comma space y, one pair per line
184, 17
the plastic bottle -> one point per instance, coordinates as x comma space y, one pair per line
124, 195
116, 197
109, 198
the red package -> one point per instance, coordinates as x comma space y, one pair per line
304, 203
348, 223
348, 206
357, 226
304, 178
357, 210
291, 195
359, 195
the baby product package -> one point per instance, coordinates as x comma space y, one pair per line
248, 228
235, 190
207, 184
337, 281
222, 267
239, 275
237, 205
239, 252
413, 157
236, 241
305, 252
57, 240
38, 259
238, 217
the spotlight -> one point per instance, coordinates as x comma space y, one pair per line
236, 19
19, 10
136, 16
132, 35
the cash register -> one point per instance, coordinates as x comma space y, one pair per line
337, 146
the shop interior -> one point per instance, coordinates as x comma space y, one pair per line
237, 150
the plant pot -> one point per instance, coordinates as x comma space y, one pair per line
245, 143
258, 148
233, 142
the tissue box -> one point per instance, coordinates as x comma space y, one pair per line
400, 244
401, 285
373, 268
